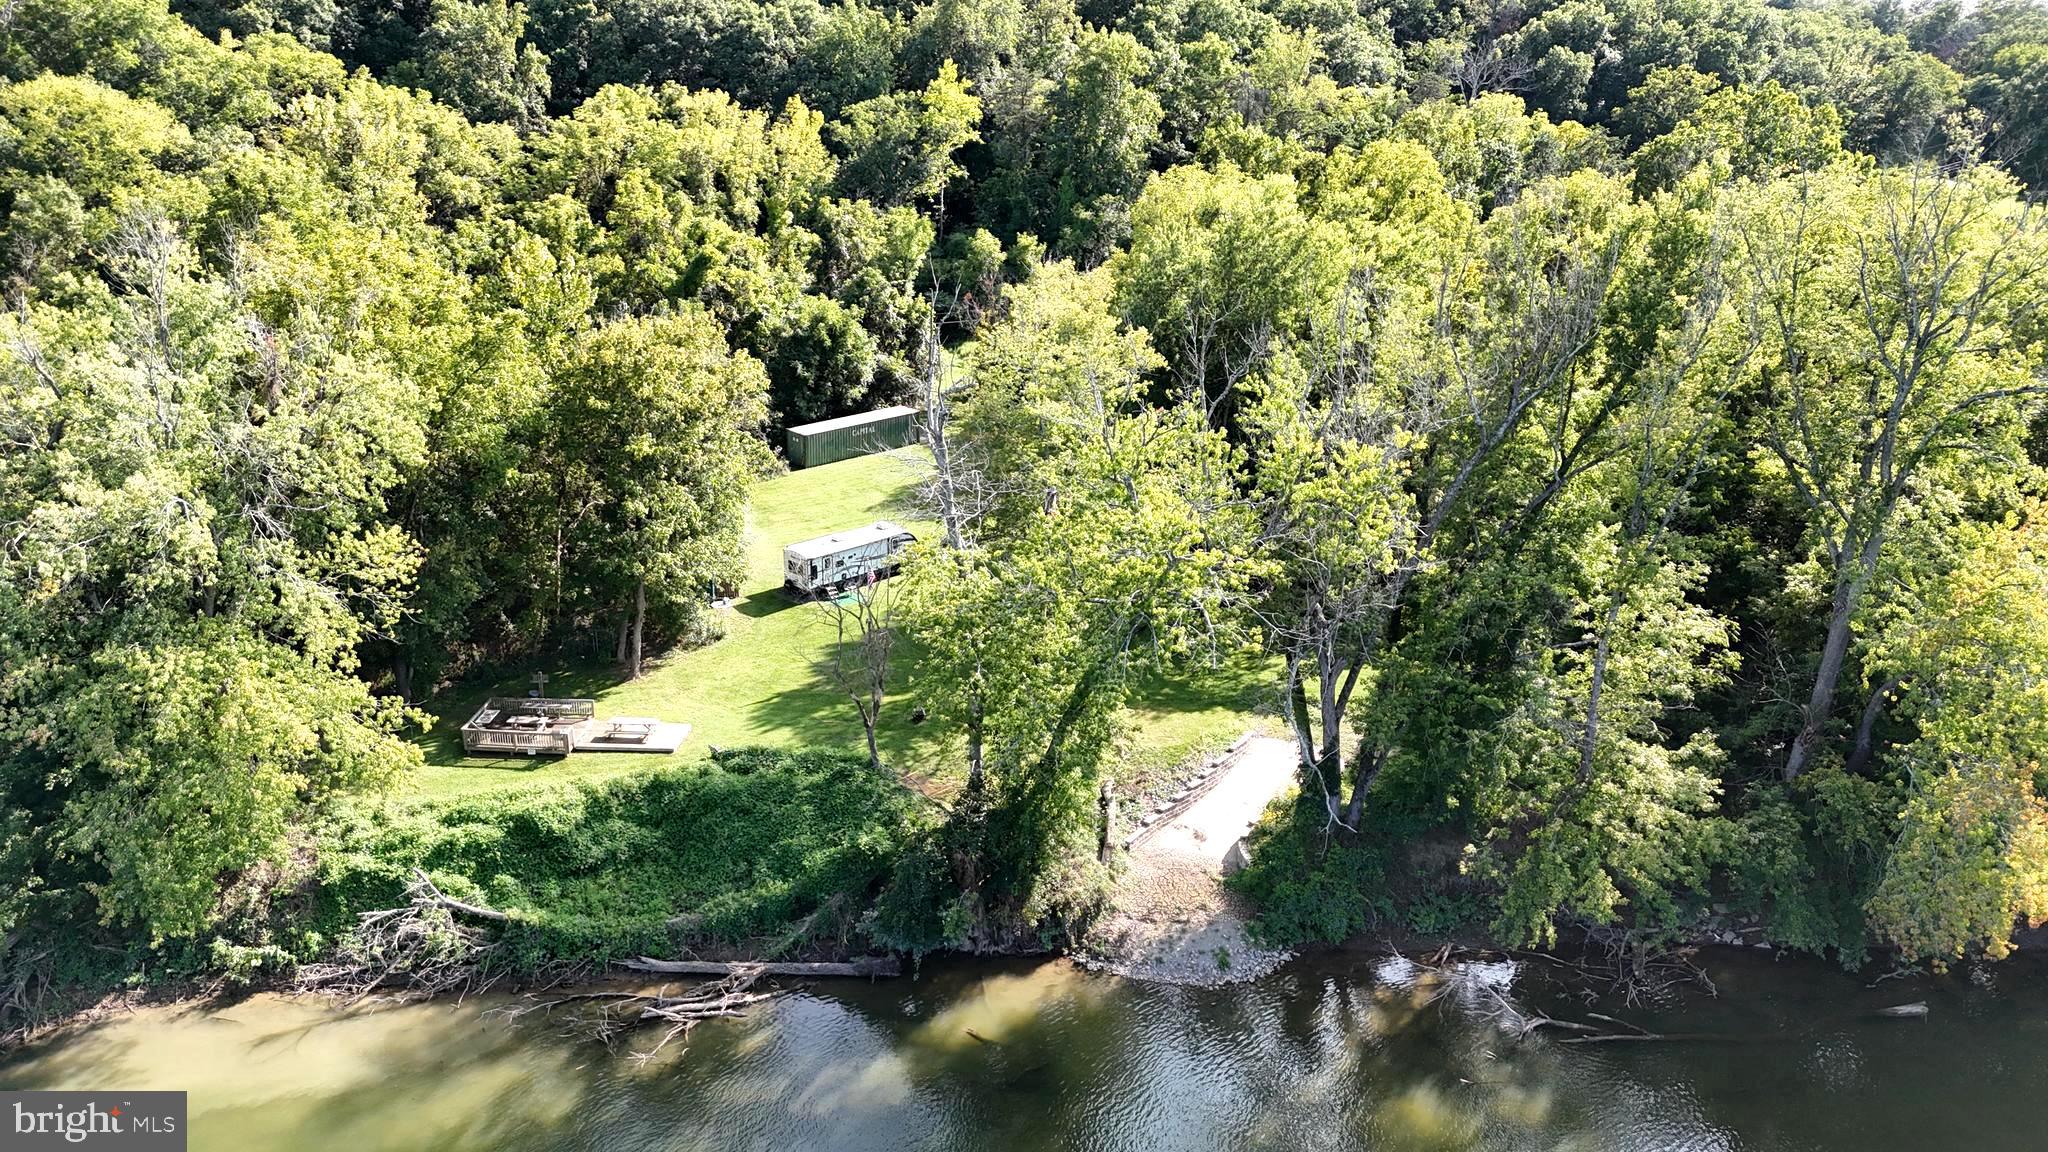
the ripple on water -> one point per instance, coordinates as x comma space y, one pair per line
1334, 1054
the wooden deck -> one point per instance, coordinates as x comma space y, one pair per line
658, 736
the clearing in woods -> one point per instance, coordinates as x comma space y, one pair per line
762, 681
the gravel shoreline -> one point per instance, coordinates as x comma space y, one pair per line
1171, 920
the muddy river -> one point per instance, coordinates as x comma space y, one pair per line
1335, 1052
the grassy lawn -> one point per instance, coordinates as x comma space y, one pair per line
761, 683
1176, 719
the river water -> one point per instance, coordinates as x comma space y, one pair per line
1336, 1051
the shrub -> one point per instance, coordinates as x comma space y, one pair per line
781, 850
1309, 887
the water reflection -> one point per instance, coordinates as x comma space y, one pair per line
276, 1073
1334, 1053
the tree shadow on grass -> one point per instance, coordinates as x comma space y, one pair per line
766, 602
815, 712
1245, 682
818, 713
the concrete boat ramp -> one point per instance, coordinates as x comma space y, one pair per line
1171, 919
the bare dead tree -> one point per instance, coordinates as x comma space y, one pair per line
146, 255
864, 635
1485, 67
1211, 353
958, 491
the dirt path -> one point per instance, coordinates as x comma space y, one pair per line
1171, 920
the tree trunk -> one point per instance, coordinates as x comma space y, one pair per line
1866, 729
639, 627
1368, 770
561, 551
1330, 757
1848, 591
937, 421
1296, 701
401, 675
1589, 740
1106, 843
625, 634
974, 734
869, 717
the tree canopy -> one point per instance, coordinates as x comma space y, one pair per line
1617, 425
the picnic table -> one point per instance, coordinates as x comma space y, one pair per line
630, 728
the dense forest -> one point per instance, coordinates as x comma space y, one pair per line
1618, 424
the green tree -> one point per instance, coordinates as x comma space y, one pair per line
747, 48
1034, 622
1958, 660
652, 425
851, 57
1101, 125
1590, 802
1408, 405
470, 55
102, 145
900, 147
193, 496
1743, 133
1894, 356
1221, 266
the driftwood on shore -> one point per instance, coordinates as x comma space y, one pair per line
420, 948
864, 966
620, 1012
425, 892
1520, 1023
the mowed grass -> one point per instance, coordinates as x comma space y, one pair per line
764, 681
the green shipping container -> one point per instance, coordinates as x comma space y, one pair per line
810, 445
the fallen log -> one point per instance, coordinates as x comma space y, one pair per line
1635, 1037
1911, 1011
1532, 1023
1620, 1023
727, 998
865, 966
426, 892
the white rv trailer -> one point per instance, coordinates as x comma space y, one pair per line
829, 564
